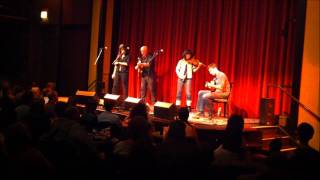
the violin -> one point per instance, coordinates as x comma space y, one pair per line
195, 62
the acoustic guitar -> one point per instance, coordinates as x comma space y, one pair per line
139, 67
210, 85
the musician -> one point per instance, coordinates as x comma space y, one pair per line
219, 88
184, 70
146, 67
120, 71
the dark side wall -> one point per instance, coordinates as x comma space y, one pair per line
56, 50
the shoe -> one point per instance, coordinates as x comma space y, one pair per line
198, 115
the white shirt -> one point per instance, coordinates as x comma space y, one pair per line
184, 69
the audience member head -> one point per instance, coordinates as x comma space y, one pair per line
108, 105
53, 97
115, 131
139, 128
49, 90
60, 109
37, 106
183, 114
36, 92
18, 90
26, 98
6, 90
177, 130
91, 105
7, 114
233, 133
275, 145
17, 137
72, 113
4, 84
305, 133
51, 85
140, 109
235, 124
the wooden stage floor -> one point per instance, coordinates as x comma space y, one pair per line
216, 123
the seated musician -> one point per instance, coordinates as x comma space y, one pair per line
219, 89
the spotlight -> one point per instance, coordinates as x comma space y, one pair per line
44, 15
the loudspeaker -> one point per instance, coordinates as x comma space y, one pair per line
82, 97
267, 111
112, 98
130, 102
165, 110
63, 99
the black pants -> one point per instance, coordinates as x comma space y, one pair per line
148, 81
123, 79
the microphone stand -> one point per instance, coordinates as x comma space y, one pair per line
95, 63
97, 59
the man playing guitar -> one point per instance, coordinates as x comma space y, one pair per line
219, 88
145, 66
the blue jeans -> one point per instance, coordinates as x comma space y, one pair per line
202, 100
204, 97
187, 84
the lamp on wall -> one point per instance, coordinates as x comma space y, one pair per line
44, 15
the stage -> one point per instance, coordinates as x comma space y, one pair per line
210, 131
217, 122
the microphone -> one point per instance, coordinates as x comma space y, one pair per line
105, 48
159, 51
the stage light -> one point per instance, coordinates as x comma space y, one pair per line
44, 15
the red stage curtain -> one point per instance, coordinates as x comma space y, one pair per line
252, 41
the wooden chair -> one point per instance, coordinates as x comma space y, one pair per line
224, 101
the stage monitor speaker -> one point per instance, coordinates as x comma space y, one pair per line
130, 102
82, 97
63, 99
85, 93
112, 98
267, 111
165, 110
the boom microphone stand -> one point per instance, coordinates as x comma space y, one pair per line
95, 63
